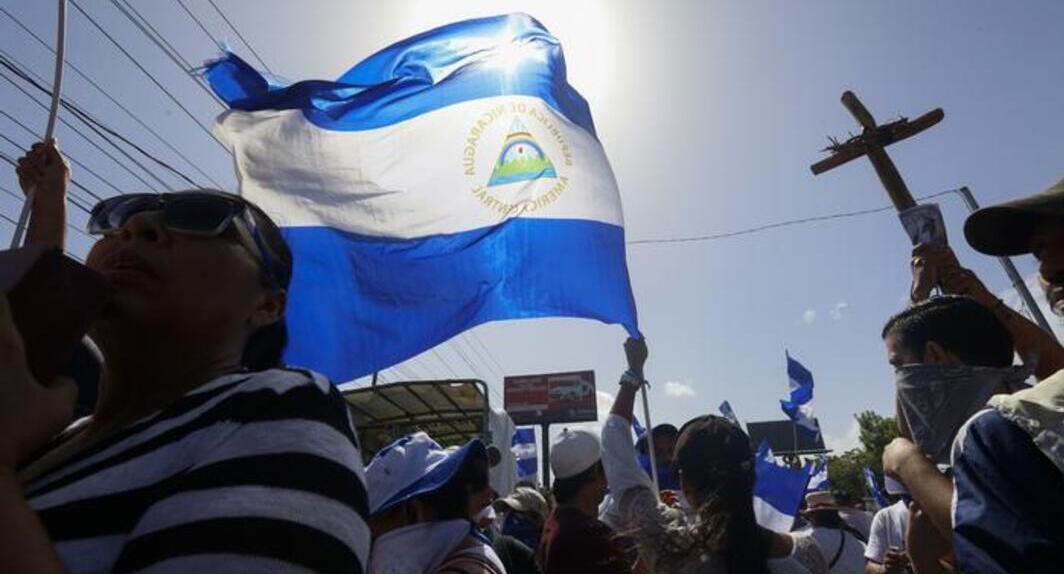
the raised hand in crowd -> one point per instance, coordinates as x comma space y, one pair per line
928, 551
45, 172
937, 265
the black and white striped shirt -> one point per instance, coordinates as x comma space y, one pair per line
254, 472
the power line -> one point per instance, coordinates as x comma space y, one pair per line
777, 224
67, 123
23, 198
446, 364
148, 74
474, 353
239, 35
490, 355
88, 79
161, 42
199, 23
88, 119
72, 159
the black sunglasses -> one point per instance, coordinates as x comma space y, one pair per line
190, 213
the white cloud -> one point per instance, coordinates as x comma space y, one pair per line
809, 316
678, 389
850, 439
836, 311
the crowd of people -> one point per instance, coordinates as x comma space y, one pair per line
205, 453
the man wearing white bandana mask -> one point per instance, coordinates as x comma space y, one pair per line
950, 354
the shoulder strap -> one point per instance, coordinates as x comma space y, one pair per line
838, 553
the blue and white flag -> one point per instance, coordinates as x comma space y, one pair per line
524, 449
451, 179
764, 452
638, 428
726, 410
778, 491
800, 406
819, 480
873, 488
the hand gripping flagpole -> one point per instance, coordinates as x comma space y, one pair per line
53, 115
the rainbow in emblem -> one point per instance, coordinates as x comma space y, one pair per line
521, 158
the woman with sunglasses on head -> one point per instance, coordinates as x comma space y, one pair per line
203, 454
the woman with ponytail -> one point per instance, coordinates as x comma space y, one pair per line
715, 463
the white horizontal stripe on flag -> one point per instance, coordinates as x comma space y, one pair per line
424, 176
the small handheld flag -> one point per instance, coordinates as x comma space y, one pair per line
800, 405
726, 410
873, 488
819, 480
524, 449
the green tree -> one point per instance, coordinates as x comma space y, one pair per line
847, 469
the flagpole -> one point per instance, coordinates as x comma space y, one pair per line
650, 440
53, 114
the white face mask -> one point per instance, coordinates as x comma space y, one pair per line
417, 548
936, 400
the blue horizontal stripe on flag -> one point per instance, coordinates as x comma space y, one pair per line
367, 303
448, 65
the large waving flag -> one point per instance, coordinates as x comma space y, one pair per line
778, 491
800, 406
448, 180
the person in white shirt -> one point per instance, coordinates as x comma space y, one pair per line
885, 552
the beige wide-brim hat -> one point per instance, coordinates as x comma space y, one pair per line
524, 499
820, 501
1005, 229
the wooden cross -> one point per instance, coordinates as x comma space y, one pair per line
872, 141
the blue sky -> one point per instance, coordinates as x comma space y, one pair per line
711, 113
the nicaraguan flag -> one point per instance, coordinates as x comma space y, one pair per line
819, 480
778, 491
764, 452
800, 406
873, 488
524, 449
638, 428
726, 410
448, 180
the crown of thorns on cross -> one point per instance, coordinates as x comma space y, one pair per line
883, 132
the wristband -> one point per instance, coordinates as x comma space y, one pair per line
630, 378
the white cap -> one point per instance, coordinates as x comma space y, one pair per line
412, 466
573, 452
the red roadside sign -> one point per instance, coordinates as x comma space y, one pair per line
551, 398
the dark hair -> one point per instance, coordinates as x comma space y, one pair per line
714, 457
565, 489
452, 499
661, 432
959, 325
265, 347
